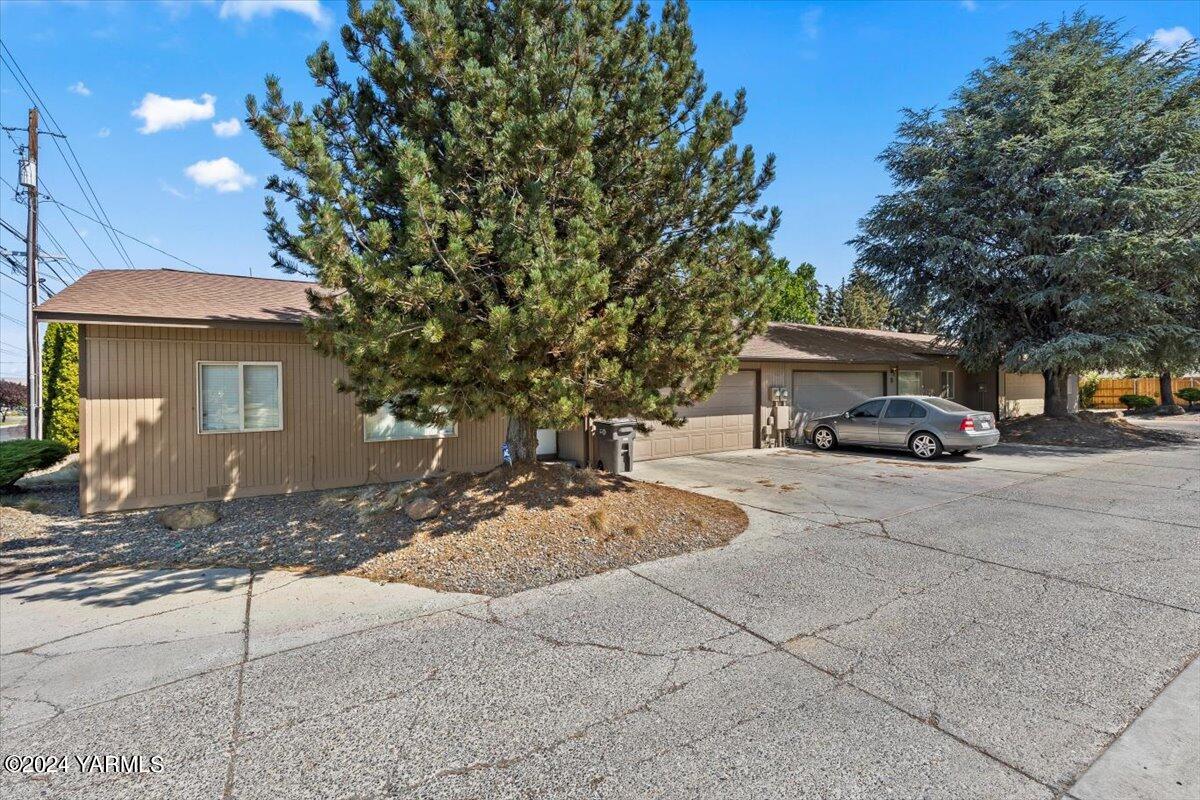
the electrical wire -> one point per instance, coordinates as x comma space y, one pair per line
97, 207
127, 235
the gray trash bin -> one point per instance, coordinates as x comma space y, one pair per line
614, 444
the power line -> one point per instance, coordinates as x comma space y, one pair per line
126, 235
97, 207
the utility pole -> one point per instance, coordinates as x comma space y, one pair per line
32, 357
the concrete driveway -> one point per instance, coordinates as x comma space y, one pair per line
982, 627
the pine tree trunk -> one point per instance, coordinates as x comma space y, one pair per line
522, 440
1165, 389
1056, 392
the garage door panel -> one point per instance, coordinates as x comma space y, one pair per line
832, 392
723, 422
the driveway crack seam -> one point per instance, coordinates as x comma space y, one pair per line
235, 733
929, 722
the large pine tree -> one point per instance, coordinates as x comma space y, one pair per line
1048, 218
532, 207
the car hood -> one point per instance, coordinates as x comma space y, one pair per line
826, 418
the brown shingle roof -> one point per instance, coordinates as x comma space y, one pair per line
168, 296
165, 296
787, 341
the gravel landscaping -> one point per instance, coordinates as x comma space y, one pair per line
1085, 429
498, 533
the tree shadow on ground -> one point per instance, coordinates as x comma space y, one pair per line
322, 532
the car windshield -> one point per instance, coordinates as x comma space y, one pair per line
945, 405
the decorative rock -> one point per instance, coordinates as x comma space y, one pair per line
395, 496
179, 518
422, 507
1167, 411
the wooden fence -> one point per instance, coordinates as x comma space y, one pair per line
1112, 388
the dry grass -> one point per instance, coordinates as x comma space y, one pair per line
1084, 429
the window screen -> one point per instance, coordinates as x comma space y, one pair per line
948, 384
908, 382
220, 408
383, 426
240, 397
261, 396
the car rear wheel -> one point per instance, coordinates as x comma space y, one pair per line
824, 439
925, 445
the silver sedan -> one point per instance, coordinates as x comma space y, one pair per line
925, 426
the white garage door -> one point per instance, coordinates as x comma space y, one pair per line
833, 392
724, 421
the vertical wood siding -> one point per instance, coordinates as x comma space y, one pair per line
139, 444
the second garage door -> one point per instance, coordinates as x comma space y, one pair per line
833, 392
724, 421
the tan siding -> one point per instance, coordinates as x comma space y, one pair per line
138, 434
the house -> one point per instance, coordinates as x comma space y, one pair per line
196, 386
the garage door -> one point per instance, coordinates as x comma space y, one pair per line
833, 392
724, 421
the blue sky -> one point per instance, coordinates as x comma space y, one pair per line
140, 86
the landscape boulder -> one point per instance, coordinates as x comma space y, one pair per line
422, 507
179, 518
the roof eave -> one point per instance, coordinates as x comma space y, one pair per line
159, 322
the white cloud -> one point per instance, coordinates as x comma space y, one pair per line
969, 5
810, 23
78, 88
227, 128
160, 113
246, 10
223, 174
1168, 40
104, 133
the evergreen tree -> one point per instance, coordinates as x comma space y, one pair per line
864, 303
830, 312
1049, 215
531, 207
60, 384
795, 295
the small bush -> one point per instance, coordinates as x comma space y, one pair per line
20, 456
1190, 394
1137, 402
1088, 386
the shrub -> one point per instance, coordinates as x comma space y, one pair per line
1137, 402
60, 384
20, 456
1088, 385
1189, 393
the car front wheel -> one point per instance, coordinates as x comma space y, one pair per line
824, 439
925, 445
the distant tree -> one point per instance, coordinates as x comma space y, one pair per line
60, 384
829, 312
1048, 217
532, 207
795, 294
864, 303
13, 396
859, 302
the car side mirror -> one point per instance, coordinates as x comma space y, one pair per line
846, 415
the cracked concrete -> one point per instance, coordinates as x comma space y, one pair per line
983, 630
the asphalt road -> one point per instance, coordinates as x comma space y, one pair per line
985, 627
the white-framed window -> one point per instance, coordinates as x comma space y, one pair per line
383, 426
948, 384
908, 381
239, 396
